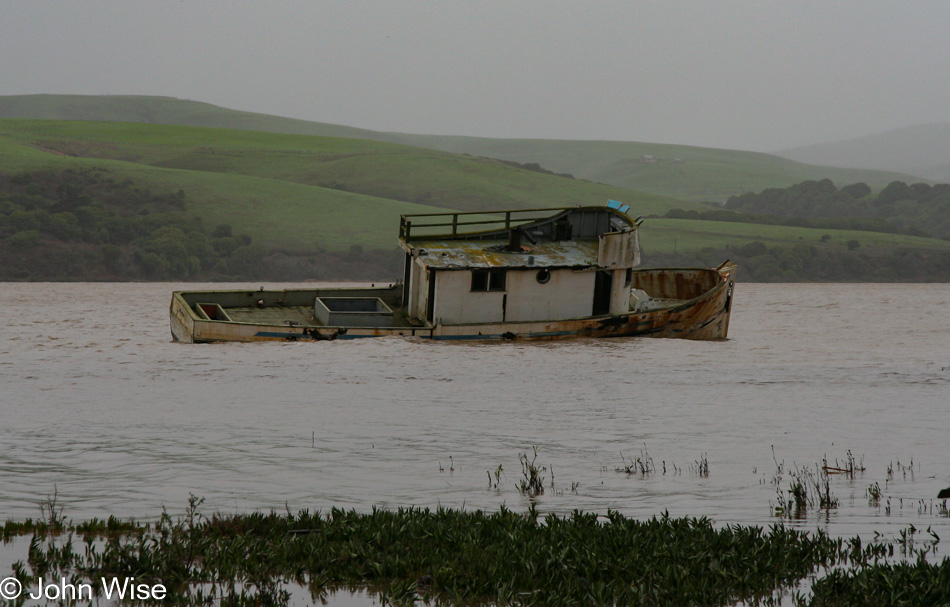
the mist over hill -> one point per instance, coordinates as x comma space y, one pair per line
922, 150
164, 110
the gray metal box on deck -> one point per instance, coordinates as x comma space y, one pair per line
352, 312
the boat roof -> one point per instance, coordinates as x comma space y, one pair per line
462, 255
558, 237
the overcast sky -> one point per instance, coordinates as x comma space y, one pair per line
754, 75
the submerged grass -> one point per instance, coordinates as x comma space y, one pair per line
446, 556
807, 488
894, 584
468, 558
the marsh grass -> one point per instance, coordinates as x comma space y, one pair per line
473, 558
849, 466
897, 584
643, 464
532, 483
446, 556
894, 468
451, 557
700, 467
497, 477
806, 489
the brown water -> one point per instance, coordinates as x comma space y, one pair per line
100, 406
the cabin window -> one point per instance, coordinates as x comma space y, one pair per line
497, 279
489, 280
543, 275
479, 280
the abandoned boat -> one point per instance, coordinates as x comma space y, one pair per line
533, 274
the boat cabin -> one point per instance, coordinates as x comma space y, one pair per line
518, 266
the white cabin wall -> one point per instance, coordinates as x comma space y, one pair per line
456, 303
418, 289
568, 294
619, 293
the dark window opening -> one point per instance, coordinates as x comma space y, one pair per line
602, 287
479, 280
496, 280
430, 301
489, 280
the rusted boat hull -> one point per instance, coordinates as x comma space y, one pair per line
703, 304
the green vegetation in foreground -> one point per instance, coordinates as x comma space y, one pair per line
685, 172
466, 558
897, 584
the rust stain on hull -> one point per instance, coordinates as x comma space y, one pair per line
704, 314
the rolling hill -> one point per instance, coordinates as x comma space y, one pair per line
163, 110
132, 200
121, 200
293, 191
683, 172
922, 150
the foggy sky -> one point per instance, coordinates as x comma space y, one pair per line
752, 75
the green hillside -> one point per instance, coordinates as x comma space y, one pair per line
274, 212
768, 253
122, 200
684, 172
679, 235
115, 201
294, 191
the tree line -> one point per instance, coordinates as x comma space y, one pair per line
917, 209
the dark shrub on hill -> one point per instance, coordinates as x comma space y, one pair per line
919, 207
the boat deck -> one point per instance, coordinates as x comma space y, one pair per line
294, 316
284, 315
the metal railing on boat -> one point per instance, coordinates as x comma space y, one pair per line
491, 221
